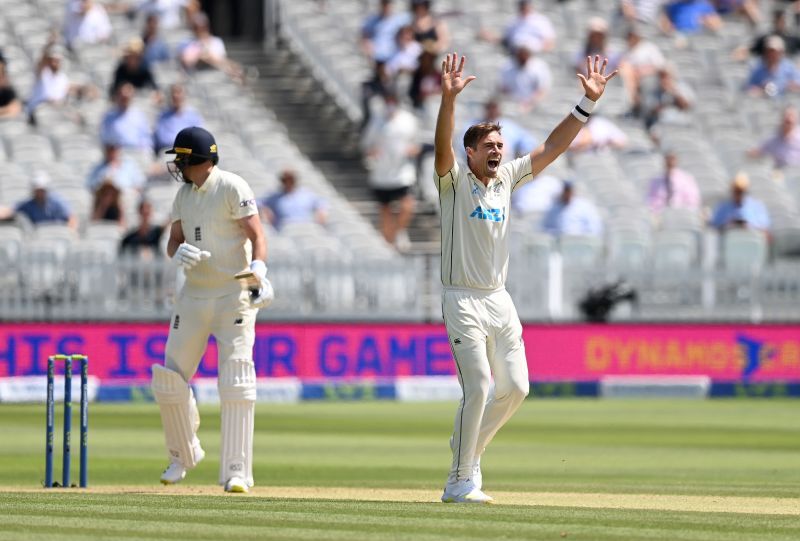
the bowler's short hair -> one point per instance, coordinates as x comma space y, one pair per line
479, 131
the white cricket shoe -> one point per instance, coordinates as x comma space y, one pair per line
176, 471
237, 485
464, 492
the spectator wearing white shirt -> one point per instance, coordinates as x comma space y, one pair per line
391, 146
597, 134
536, 196
642, 59
570, 215
206, 51
52, 84
525, 78
406, 57
86, 23
596, 43
118, 169
169, 12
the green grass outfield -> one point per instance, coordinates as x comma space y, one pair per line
575, 469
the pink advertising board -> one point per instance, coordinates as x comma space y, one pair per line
726, 353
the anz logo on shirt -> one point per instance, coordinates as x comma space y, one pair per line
493, 215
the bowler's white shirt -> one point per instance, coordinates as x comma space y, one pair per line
475, 224
209, 217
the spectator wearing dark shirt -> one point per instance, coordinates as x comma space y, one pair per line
143, 240
44, 206
779, 28
132, 69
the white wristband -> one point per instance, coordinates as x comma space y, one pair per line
583, 109
258, 267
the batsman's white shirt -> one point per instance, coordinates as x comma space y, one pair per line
209, 217
475, 224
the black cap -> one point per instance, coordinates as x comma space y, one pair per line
196, 142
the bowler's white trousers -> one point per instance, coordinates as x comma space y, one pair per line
486, 340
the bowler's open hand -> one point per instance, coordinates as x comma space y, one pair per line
594, 82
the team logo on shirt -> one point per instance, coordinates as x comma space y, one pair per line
247, 202
476, 190
493, 215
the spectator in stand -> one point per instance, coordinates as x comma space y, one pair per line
741, 210
10, 106
426, 81
674, 189
525, 78
391, 146
748, 9
174, 118
156, 49
52, 84
427, 28
537, 196
206, 51
599, 133
530, 27
86, 23
641, 60
596, 44
406, 57
779, 28
44, 206
144, 240
374, 89
641, 11
123, 171
169, 12
689, 17
132, 69
107, 204
571, 215
125, 124
379, 31
293, 204
669, 102
774, 75
517, 140
784, 146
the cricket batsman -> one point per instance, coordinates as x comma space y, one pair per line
215, 235
482, 324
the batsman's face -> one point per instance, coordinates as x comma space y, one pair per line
487, 156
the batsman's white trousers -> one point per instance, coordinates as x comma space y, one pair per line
486, 340
231, 320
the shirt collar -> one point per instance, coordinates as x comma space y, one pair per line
212, 178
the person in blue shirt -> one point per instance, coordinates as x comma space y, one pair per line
125, 124
774, 75
742, 210
292, 204
44, 206
570, 215
174, 118
517, 139
379, 30
690, 17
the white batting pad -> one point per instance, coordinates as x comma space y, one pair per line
179, 416
237, 392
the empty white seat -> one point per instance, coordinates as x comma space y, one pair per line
744, 250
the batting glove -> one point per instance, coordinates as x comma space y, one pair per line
187, 256
264, 295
